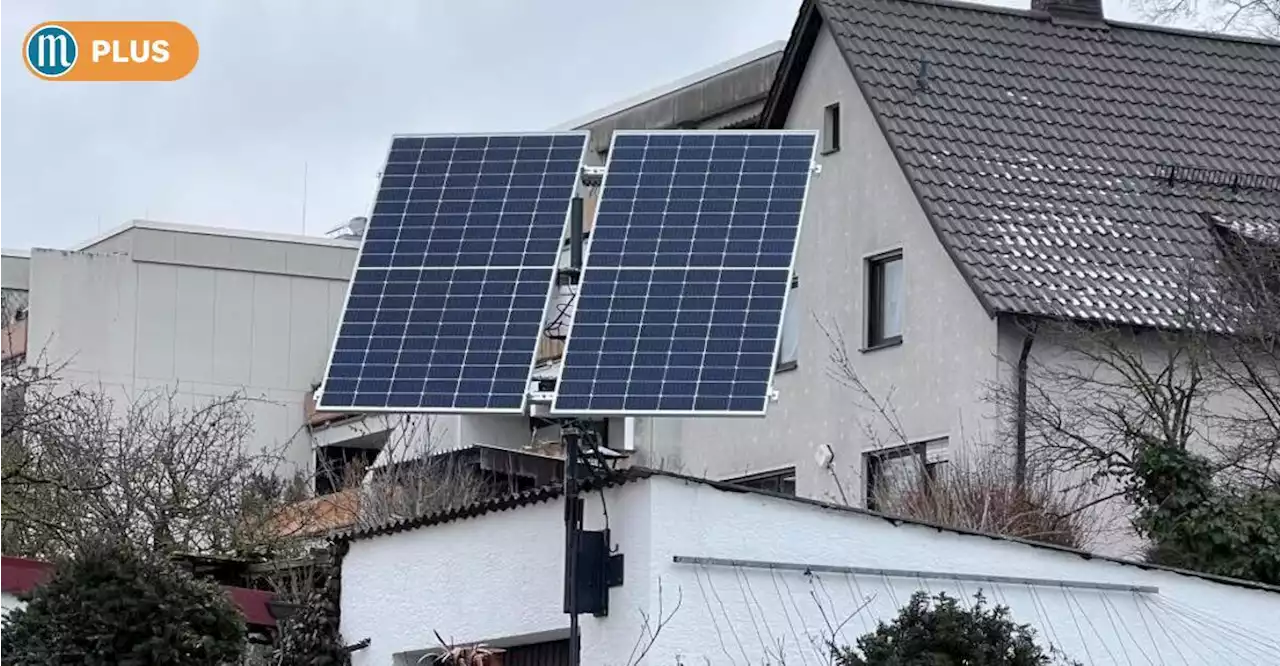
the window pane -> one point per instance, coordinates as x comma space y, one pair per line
782, 481
831, 129
891, 296
898, 474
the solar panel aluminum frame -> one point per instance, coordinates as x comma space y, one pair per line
551, 285
791, 269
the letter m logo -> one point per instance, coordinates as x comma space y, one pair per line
51, 51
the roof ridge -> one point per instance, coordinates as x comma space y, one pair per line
1126, 25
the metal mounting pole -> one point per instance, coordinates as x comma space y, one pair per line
575, 234
572, 526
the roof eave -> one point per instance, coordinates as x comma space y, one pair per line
804, 34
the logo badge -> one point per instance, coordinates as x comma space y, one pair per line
51, 51
111, 51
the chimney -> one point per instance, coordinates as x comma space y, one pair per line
1071, 11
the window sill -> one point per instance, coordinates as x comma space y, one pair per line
786, 367
883, 344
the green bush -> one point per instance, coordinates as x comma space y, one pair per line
113, 605
1195, 521
938, 631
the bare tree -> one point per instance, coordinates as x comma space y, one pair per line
160, 471
1255, 18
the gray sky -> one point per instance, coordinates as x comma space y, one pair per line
324, 83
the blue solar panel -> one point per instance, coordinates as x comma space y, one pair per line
451, 285
687, 275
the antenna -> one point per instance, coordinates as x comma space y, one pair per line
304, 198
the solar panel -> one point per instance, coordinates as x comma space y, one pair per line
687, 274
456, 266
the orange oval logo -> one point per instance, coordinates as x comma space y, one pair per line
111, 51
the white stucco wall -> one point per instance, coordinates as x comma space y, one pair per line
860, 205
457, 579
496, 579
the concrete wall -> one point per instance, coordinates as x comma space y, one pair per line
211, 314
15, 271
859, 205
465, 580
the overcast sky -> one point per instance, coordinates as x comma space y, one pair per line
285, 87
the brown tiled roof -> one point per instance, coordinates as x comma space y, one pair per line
1068, 170
319, 516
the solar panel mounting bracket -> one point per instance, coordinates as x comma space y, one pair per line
592, 176
774, 394
815, 168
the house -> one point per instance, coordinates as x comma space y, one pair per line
712, 573
983, 169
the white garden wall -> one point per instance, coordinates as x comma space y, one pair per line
496, 578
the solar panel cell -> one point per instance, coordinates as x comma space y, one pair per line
448, 298
687, 273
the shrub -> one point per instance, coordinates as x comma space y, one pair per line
938, 631
114, 605
1195, 521
983, 495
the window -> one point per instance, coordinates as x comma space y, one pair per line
884, 300
896, 470
778, 481
789, 349
337, 467
831, 129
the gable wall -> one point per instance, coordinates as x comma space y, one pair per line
859, 205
